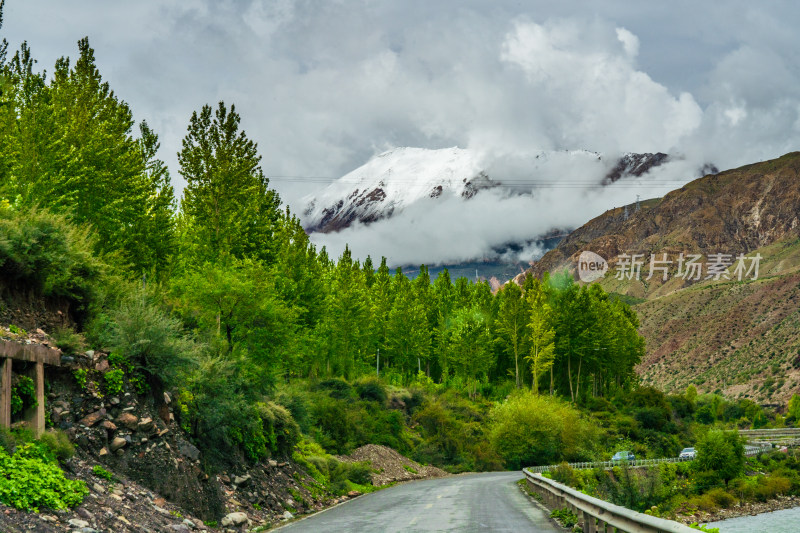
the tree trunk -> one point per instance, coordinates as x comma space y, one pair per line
569, 377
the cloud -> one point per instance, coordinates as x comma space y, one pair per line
449, 230
324, 86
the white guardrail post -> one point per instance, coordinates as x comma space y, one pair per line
595, 515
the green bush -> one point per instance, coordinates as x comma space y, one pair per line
7, 440
772, 486
336, 387
150, 339
117, 360
23, 395
280, 429
80, 377
101, 472
371, 389
530, 429
720, 453
68, 341
29, 481
565, 516
114, 381
59, 444
721, 497
48, 254
565, 474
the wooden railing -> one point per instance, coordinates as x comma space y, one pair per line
595, 515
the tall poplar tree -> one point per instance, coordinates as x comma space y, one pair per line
228, 206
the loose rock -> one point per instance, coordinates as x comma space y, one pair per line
234, 519
118, 443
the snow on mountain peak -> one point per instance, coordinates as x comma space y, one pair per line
392, 181
396, 179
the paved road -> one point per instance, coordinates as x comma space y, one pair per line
468, 503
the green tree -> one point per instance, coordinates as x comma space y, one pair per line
469, 346
720, 455
793, 408
541, 336
511, 324
68, 146
343, 334
408, 338
228, 207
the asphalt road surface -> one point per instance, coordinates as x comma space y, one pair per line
473, 502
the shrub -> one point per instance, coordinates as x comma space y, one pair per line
29, 481
772, 486
565, 474
342, 472
68, 340
336, 387
23, 394
117, 360
7, 440
721, 498
280, 429
48, 254
80, 377
529, 429
704, 502
101, 472
114, 381
59, 444
565, 516
371, 389
150, 339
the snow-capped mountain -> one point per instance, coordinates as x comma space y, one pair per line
398, 178
392, 181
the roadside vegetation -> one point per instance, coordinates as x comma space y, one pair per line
721, 477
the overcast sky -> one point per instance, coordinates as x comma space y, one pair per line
324, 85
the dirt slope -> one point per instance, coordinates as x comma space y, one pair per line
390, 465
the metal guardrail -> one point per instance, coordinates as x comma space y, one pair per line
777, 432
595, 515
748, 451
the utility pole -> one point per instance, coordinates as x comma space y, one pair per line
378, 364
625, 213
638, 205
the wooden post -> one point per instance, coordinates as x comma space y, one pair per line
38, 425
5, 393
35, 415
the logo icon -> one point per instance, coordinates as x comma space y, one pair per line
591, 266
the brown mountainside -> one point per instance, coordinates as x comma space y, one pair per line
738, 337
736, 211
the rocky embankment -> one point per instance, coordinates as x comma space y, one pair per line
158, 480
742, 509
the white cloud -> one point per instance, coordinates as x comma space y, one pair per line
629, 41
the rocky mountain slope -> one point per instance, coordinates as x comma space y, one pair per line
396, 179
738, 337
